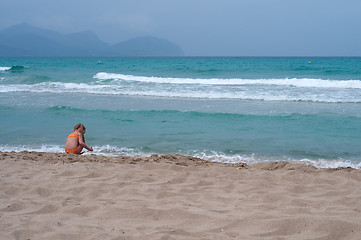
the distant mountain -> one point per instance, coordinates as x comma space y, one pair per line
25, 40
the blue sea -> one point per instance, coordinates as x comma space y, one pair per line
226, 109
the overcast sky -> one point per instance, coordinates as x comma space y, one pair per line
206, 28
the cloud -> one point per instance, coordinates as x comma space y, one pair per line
203, 27
135, 22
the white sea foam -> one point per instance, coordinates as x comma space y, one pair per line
108, 150
105, 150
252, 159
322, 163
56, 87
5, 68
194, 93
317, 90
302, 82
40, 148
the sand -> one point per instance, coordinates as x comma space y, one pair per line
60, 196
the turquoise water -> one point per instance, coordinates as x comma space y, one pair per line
221, 109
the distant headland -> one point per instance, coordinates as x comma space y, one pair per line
24, 40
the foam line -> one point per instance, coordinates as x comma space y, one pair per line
296, 82
108, 150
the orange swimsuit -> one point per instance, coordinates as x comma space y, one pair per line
73, 150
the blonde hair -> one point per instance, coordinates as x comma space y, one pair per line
81, 128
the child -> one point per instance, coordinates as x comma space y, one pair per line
76, 141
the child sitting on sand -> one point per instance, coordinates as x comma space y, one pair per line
76, 141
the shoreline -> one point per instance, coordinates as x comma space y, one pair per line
63, 196
90, 157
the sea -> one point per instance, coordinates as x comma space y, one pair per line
224, 109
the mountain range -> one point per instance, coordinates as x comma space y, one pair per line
24, 40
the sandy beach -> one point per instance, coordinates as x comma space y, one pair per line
60, 196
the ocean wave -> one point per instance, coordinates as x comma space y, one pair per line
5, 68
55, 87
29, 148
66, 109
18, 68
295, 82
108, 150
13, 68
105, 150
249, 93
253, 158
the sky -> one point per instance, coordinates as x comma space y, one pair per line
205, 27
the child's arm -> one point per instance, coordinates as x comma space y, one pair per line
82, 143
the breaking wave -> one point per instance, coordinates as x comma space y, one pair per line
108, 150
295, 82
286, 90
